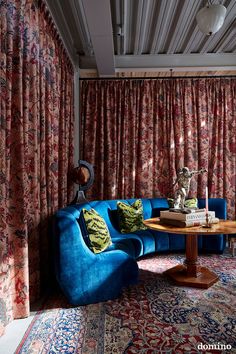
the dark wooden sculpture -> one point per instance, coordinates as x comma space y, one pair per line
83, 175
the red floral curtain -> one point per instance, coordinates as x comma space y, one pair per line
138, 133
36, 148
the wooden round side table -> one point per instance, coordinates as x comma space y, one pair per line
191, 273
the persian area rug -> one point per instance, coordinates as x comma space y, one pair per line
154, 316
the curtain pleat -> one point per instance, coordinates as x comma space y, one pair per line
36, 149
138, 133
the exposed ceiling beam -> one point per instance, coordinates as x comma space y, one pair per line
176, 60
176, 69
98, 18
204, 62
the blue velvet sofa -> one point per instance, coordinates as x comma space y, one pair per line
86, 278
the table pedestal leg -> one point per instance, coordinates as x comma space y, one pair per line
191, 262
191, 273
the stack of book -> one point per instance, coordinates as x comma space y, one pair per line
196, 217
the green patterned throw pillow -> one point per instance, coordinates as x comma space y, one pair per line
189, 203
131, 217
97, 230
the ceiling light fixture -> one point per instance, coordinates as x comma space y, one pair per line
211, 18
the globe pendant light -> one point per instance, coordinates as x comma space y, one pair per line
211, 18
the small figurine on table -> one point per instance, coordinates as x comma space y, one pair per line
183, 180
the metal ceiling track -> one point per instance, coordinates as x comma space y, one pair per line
159, 78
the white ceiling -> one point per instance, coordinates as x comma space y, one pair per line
143, 35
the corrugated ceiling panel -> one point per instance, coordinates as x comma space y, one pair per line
167, 26
143, 27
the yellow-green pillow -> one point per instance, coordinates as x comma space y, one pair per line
97, 230
189, 203
130, 217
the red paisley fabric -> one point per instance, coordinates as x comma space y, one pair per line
36, 148
138, 133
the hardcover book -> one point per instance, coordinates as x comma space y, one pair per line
197, 215
188, 223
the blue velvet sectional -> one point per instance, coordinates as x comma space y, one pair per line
87, 278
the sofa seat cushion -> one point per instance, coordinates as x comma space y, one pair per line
130, 216
148, 241
125, 245
137, 244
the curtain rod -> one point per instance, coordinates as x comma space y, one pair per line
156, 78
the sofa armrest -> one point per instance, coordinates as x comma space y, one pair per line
83, 276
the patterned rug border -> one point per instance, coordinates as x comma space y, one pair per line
28, 330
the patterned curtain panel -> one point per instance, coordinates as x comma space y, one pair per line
36, 148
138, 133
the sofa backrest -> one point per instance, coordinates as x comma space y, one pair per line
151, 208
219, 205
